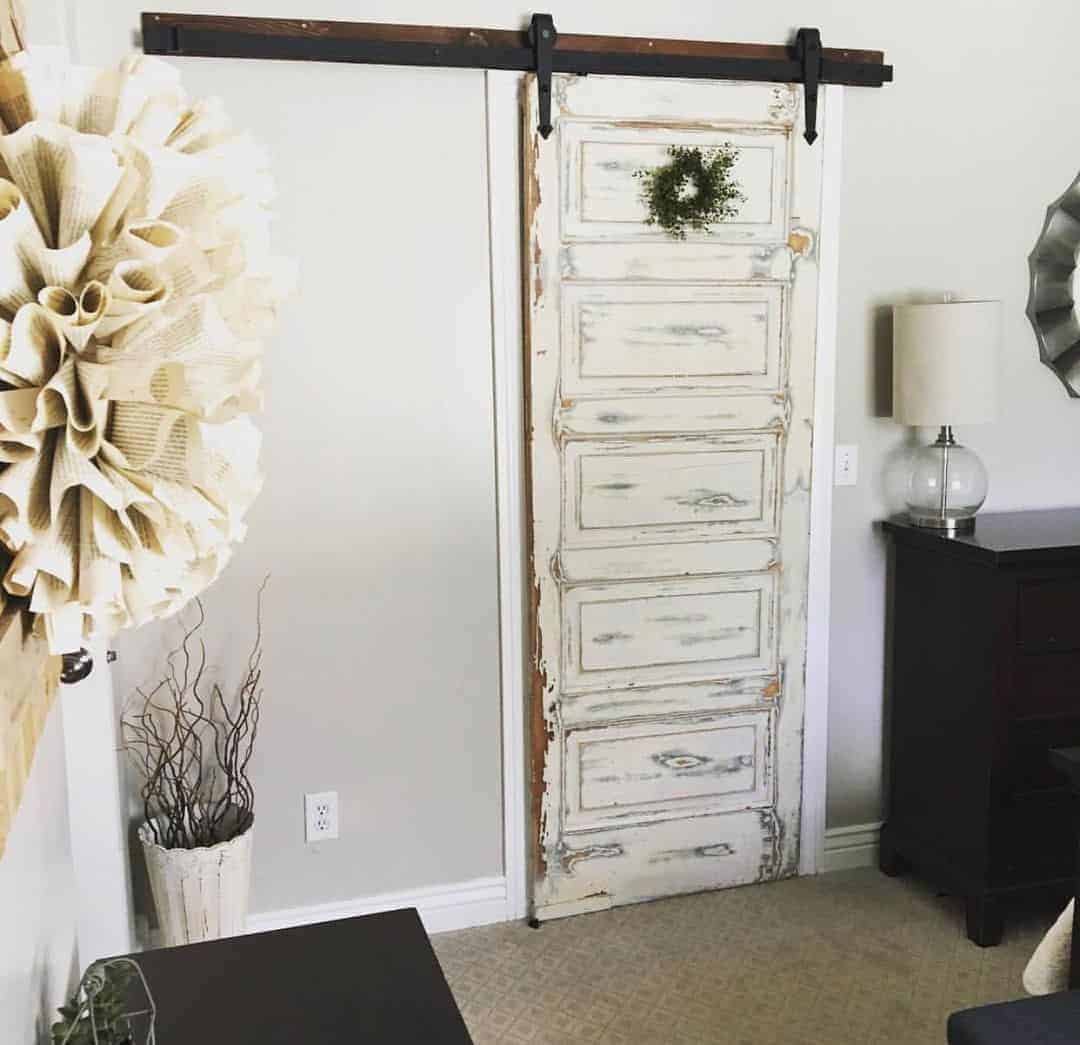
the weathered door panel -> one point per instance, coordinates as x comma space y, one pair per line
601, 197
645, 337
642, 861
646, 771
680, 489
670, 410
626, 634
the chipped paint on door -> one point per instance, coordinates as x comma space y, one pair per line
669, 413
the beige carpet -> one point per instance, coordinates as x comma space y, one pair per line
850, 958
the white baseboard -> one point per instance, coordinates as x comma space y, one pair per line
849, 847
460, 905
483, 901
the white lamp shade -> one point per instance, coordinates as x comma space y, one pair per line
945, 362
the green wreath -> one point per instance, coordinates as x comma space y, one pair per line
692, 191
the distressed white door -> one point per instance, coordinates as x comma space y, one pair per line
670, 429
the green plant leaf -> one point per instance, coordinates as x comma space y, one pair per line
695, 190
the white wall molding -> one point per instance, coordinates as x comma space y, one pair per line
96, 814
504, 227
819, 589
853, 846
442, 908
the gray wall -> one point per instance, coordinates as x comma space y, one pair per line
381, 632
377, 520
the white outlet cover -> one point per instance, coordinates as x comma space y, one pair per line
320, 816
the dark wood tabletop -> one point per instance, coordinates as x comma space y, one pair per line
1006, 538
370, 979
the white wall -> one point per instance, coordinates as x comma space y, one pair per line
37, 900
38, 907
381, 655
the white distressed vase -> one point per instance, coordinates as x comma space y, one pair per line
200, 894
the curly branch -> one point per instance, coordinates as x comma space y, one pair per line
192, 745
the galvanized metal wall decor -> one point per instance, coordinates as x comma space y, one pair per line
1052, 306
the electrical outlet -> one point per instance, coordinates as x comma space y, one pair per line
846, 471
321, 816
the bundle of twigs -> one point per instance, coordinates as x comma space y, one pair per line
193, 745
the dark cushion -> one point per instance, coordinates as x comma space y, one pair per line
1053, 1019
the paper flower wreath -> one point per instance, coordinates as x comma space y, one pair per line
135, 284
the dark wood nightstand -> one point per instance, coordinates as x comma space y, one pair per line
984, 631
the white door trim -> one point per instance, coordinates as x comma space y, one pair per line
96, 814
504, 189
818, 617
504, 226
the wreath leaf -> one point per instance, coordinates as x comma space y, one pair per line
714, 194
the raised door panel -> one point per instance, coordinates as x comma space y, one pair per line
677, 703
628, 863
679, 104
678, 262
664, 414
646, 771
620, 337
601, 186
669, 559
619, 635
670, 490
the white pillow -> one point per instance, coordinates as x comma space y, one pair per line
1048, 970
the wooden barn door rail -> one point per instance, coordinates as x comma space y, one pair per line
539, 49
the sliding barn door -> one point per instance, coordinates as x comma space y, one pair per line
670, 429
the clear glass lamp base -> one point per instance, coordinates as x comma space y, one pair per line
946, 485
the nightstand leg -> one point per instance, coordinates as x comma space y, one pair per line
985, 922
890, 862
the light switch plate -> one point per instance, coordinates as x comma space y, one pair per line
846, 471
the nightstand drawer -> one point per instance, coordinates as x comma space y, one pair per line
1032, 839
1046, 684
1027, 769
1049, 614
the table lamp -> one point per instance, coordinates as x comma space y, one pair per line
945, 364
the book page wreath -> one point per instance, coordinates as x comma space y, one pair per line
135, 287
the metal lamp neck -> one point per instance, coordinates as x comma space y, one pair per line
945, 436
